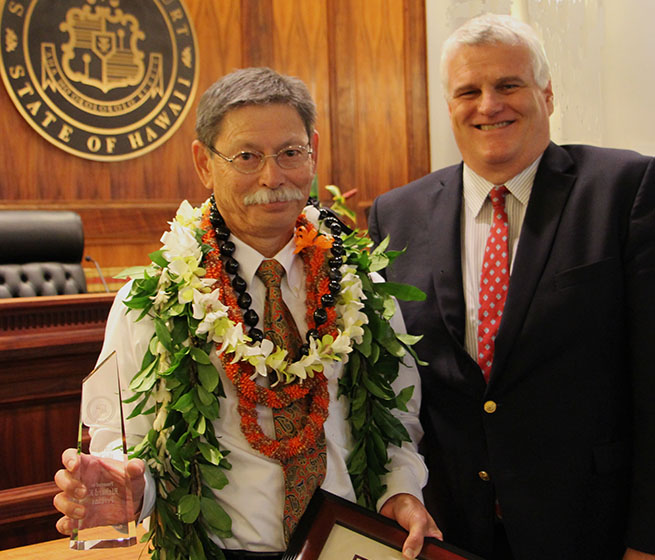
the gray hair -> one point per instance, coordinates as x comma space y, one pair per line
489, 29
251, 86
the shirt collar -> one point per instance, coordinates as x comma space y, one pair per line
477, 188
249, 260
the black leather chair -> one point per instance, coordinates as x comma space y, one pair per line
41, 253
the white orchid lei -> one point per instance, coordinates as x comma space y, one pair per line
183, 252
180, 386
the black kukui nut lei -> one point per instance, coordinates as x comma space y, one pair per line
244, 300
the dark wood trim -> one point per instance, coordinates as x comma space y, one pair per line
27, 502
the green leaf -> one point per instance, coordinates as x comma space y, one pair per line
404, 292
357, 460
205, 397
377, 388
188, 508
375, 353
389, 308
131, 272
201, 426
158, 258
408, 339
382, 246
163, 334
210, 453
213, 476
386, 336
138, 302
199, 355
184, 403
196, 550
379, 447
365, 345
140, 378
215, 516
403, 397
358, 418
389, 425
139, 407
354, 367
208, 376
415, 356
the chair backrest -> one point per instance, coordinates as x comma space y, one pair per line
41, 253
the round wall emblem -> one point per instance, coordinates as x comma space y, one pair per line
102, 79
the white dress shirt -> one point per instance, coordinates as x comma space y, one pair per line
477, 216
254, 497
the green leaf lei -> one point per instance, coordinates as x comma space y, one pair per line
178, 384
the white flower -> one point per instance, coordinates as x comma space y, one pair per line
159, 299
259, 358
232, 336
160, 419
164, 279
312, 214
180, 243
205, 303
162, 394
187, 215
351, 286
342, 344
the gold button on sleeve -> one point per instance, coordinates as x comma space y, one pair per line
490, 407
484, 475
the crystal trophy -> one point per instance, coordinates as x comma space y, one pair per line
109, 508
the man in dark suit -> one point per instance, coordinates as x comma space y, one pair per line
539, 426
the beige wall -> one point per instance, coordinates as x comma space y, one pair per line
602, 61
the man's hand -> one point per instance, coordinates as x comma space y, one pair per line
632, 554
411, 514
71, 501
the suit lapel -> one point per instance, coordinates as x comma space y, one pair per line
550, 192
445, 238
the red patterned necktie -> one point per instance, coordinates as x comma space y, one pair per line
306, 471
494, 281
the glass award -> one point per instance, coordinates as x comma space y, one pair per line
109, 507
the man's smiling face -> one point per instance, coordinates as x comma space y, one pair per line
499, 115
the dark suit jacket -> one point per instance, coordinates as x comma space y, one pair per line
570, 449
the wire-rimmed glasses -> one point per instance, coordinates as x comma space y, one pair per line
291, 157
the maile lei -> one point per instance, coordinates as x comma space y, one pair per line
188, 295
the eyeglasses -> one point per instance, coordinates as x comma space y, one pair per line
290, 157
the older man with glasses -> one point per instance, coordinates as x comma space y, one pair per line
254, 271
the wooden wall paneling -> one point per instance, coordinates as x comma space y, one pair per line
342, 44
300, 48
363, 62
257, 30
370, 104
416, 90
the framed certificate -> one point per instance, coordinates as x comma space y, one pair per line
335, 529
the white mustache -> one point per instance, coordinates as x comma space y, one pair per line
268, 196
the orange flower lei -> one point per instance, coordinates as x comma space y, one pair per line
314, 254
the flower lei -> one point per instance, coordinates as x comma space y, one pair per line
187, 294
242, 373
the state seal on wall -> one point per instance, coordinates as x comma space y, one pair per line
105, 80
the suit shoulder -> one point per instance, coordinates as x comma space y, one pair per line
583, 153
419, 187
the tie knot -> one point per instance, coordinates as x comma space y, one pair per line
497, 196
270, 272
